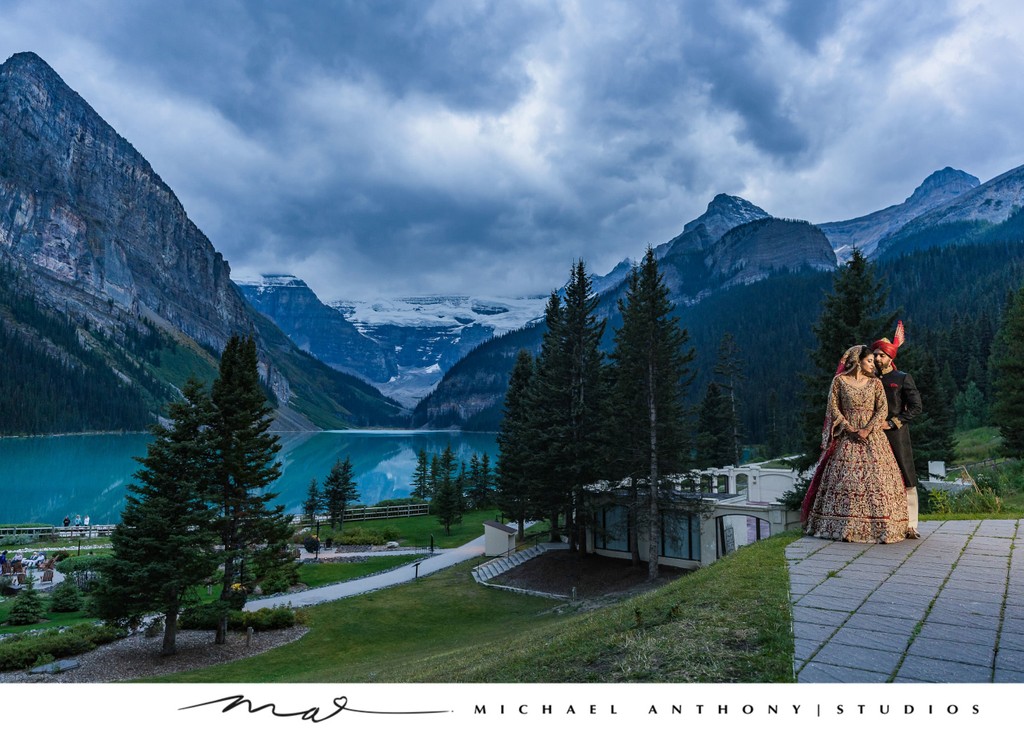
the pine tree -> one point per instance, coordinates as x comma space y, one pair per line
932, 431
852, 314
545, 431
651, 375
250, 531
729, 370
314, 503
27, 607
515, 486
448, 499
1007, 368
715, 435
421, 485
479, 482
164, 545
339, 491
579, 452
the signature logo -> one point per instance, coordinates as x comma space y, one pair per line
314, 715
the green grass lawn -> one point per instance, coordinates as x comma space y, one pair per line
727, 622
416, 532
976, 445
322, 574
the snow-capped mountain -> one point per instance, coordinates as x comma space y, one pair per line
428, 334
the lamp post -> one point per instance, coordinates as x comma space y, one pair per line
317, 552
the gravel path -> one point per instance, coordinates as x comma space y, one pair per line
138, 656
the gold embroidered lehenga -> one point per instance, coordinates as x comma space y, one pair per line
861, 497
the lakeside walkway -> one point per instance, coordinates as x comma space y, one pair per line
947, 608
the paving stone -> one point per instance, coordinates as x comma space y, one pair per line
815, 672
917, 595
894, 625
873, 639
805, 649
892, 609
1011, 640
957, 633
861, 658
947, 616
1013, 610
797, 590
957, 651
1008, 676
1013, 626
826, 617
922, 570
818, 600
930, 670
816, 633
985, 596
1008, 659
965, 607
964, 581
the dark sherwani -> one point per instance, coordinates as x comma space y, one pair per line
904, 405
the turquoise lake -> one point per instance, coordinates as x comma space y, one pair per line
42, 479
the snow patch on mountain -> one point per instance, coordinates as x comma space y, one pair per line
501, 315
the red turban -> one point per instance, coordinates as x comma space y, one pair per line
884, 345
890, 347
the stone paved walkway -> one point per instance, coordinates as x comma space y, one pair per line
946, 608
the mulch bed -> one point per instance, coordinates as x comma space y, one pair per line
559, 571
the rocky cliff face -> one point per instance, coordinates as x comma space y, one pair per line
753, 251
990, 203
319, 329
865, 233
100, 237
86, 212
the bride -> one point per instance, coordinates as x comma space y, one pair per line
857, 492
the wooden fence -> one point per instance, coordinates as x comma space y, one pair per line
57, 531
382, 512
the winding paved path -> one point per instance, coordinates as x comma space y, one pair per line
440, 560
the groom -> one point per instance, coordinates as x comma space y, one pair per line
904, 405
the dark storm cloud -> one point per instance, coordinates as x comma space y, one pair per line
482, 145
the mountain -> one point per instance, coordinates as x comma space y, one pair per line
866, 232
426, 335
95, 238
966, 218
706, 258
317, 328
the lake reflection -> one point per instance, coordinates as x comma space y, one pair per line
44, 478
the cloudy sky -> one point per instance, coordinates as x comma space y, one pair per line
480, 146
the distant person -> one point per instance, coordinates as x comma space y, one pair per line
78, 521
67, 521
856, 493
904, 402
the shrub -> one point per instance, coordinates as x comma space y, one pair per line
21, 651
279, 579
368, 536
311, 543
83, 571
206, 617
65, 597
27, 607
